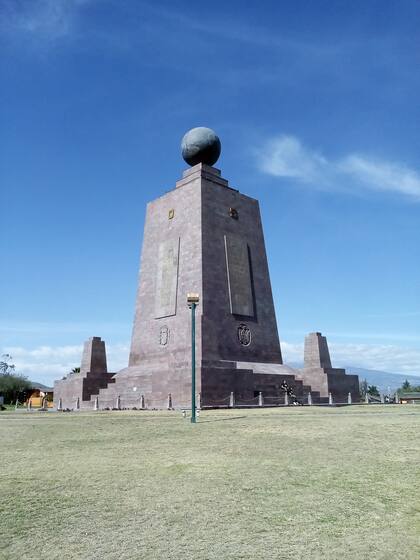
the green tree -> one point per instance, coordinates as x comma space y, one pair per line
12, 385
406, 386
75, 370
373, 390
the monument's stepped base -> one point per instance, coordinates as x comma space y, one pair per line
144, 386
78, 387
246, 380
220, 383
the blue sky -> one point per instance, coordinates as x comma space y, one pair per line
316, 105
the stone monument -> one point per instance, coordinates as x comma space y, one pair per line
204, 236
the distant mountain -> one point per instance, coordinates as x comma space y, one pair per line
382, 379
40, 386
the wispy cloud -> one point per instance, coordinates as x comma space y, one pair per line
48, 21
48, 363
40, 19
398, 315
45, 364
39, 327
384, 357
381, 175
285, 156
241, 32
56, 18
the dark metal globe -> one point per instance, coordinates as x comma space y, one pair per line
201, 145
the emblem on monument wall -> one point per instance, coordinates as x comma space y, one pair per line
164, 336
244, 335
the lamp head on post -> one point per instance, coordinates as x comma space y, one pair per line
192, 298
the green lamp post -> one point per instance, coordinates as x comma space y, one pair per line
192, 301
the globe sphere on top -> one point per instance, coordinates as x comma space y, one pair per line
201, 145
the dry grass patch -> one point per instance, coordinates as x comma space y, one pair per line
276, 483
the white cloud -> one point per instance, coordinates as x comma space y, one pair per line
384, 357
285, 156
381, 175
292, 353
48, 363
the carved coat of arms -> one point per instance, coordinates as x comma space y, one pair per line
244, 335
164, 336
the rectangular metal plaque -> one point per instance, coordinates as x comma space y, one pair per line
167, 278
239, 276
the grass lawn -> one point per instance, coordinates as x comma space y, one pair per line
327, 483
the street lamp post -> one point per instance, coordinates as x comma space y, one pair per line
192, 301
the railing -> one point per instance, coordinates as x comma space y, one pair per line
139, 402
